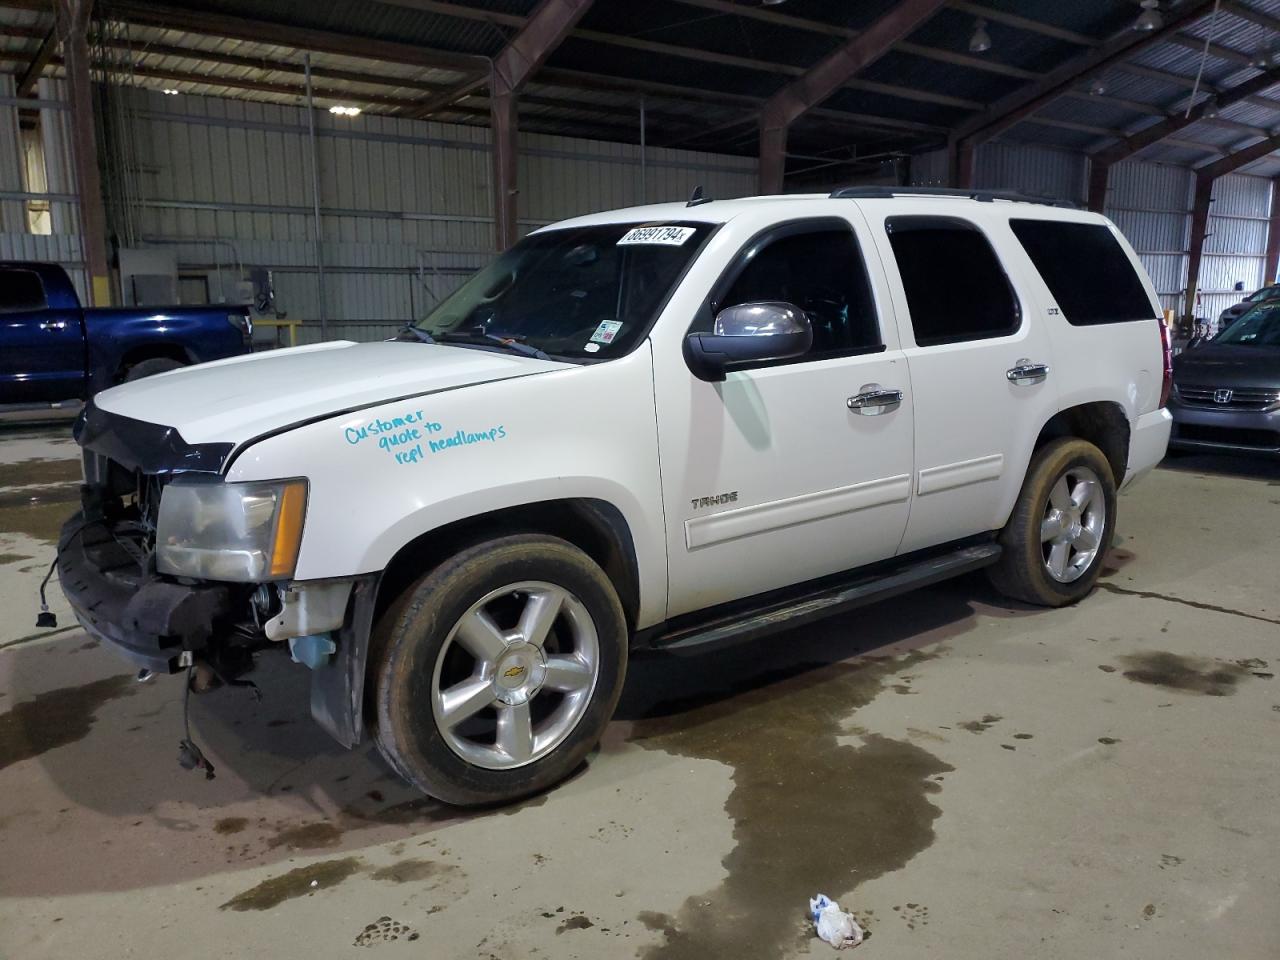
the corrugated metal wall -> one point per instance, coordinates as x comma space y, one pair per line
406, 205
1151, 204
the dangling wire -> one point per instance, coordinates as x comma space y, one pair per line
1213, 28
191, 757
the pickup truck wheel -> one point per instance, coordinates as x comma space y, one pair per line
497, 672
149, 368
1060, 528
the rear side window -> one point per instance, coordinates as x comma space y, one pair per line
956, 288
20, 291
1086, 270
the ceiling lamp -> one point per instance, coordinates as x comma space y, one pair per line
1149, 19
1210, 108
980, 42
170, 92
342, 111
1098, 88
1261, 56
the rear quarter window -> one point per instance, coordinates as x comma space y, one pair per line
21, 291
1086, 270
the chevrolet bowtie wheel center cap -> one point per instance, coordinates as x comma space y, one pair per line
519, 675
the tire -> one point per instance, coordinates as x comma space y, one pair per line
431, 653
149, 368
1024, 569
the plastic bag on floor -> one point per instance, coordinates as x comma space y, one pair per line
834, 925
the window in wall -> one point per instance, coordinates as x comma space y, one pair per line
35, 178
1086, 270
820, 271
20, 292
956, 288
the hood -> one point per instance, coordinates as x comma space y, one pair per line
1228, 365
234, 400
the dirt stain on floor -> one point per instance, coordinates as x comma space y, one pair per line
810, 813
296, 883
306, 836
1213, 678
977, 726
229, 825
412, 871
6, 558
36, 473
56, 718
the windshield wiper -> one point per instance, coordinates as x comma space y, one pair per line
417, 332
503, 340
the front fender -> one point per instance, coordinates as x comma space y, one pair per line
472, 451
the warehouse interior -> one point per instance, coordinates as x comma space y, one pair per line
967, 775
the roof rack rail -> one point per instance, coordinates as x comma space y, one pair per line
982, 196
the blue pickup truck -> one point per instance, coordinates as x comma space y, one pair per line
53, 350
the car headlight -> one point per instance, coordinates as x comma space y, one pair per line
242, 532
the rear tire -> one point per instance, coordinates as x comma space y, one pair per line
497, 672
149, 368
1060, 528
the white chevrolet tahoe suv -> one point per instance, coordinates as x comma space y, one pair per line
664, 428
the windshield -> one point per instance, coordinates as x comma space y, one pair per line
1259, 327
579, 293
1266, 293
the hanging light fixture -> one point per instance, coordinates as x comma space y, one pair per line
343, 111
980, 42
1261, 56
1150, 18
1097, 88
1210, 108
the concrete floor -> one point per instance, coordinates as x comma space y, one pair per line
971, 780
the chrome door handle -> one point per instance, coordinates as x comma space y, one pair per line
875, 401
53, 325
1024, 373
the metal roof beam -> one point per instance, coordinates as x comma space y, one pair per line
1158, 131
1024, 102
1254, 16
1024, 23
1234, 161
48, 47
287, 35
1215, 49
773, 17
826, 77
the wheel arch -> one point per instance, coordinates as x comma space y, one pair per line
596, 527
156, 350
1103, 423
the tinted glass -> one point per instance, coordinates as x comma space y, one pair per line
1259, 327
1266, 293
1086, 270
956, 288
589, 292
821, 272
20, 291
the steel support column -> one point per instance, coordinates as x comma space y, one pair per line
73, 28
502, 111
550, 22
1195, 250
826, 77
1099, 173
1272, 264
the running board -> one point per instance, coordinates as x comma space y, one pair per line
795, 611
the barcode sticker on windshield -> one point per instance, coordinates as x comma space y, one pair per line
664, 236
607, 330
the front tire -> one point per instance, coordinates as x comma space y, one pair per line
1061, 526
497, 672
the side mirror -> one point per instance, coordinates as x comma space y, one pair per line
748, 333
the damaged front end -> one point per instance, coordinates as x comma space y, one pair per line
178, 569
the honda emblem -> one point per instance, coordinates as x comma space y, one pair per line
1222, 396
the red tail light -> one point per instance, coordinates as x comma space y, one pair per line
1166, 348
